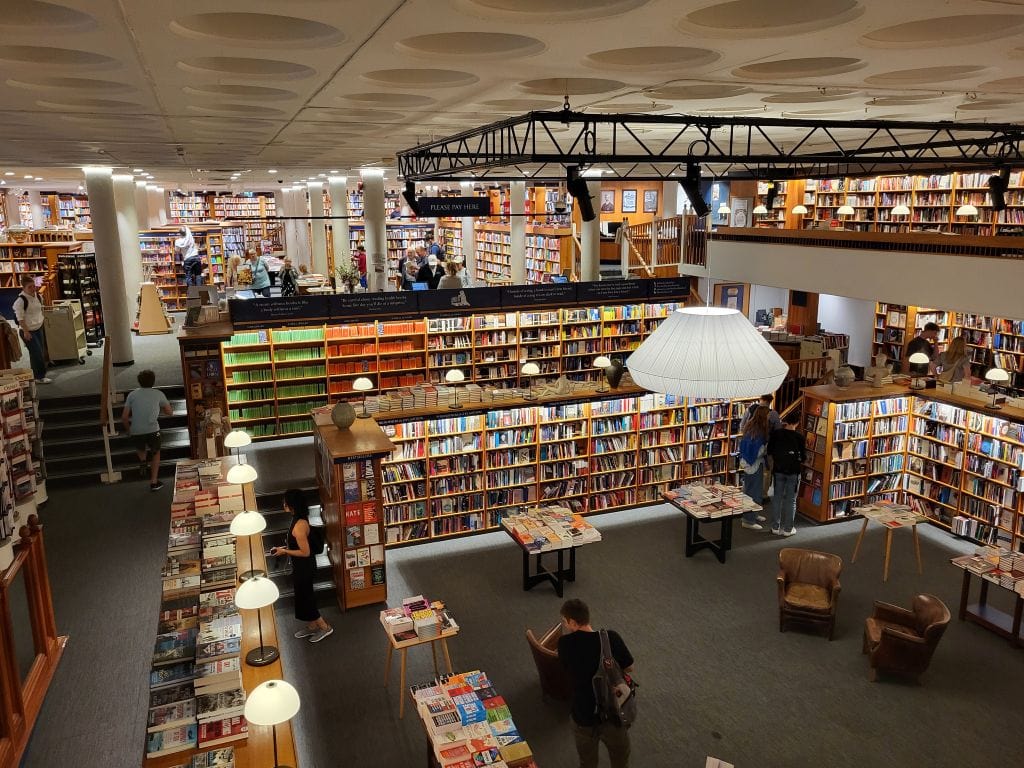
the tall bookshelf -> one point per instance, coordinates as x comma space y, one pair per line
548, 251
449, 234
188, 209
164, 267
78, 279
254, 233
18, 259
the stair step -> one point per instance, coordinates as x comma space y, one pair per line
86, 446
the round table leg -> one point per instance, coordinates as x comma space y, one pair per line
387, 665
917, 548
888, 551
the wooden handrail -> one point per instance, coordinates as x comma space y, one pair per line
640, 258
105, 394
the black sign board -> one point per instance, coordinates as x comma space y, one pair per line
454, 206
345, 306
458, 300
293, 309
542, 295
669, 288
612, 291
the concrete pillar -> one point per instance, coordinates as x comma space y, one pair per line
318, 233
376, 240
338, 186
469, 237
128, 233
12, 214
590, 238
142, 205
152, 206
35, 201
161, 198
117, 318
517, 226
296, 230
670, 192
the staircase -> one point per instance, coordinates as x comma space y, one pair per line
73, 442
275, 535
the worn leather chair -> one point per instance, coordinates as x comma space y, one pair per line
554, 680
808, 583
902, 642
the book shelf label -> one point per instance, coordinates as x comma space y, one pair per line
546, 294
392, 303
291, 309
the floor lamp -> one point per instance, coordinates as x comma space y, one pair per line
272, 703
248, 524
454, 377
531, 370
602, 363
252, 595
364, 385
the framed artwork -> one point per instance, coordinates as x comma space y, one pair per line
740, 216
629, 201
607, 201
650, 201
732, 296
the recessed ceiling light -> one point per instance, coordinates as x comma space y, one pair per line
321, 175
335, 171
8, 173
138, 170
81, 188
29, 176
39, 178
3, 181
272, 170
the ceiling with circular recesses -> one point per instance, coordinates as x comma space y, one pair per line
36, 14
653, 57
926, 75
573, 86
58, 83
550, 10
947, 30
491, 45
53, 57
264, 29
770, 18
234, 66
420, 78
805, 67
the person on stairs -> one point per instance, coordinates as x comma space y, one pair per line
141, 419
28, 311
786, 448
753, 448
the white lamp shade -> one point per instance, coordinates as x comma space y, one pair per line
919, 358
237, 439
248, 524
271, 703
362, 384
455, 376
996, 375
602, 361
724, 209
240, 474
900, 210
709, 352
967, 210
257, 592
800, 209
845, 210
530, 369
759, 210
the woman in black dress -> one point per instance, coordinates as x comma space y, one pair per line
303, 565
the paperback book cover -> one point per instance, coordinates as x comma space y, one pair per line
219, 649
172, 694
172, 674
170, 715
216, 706
222, 731
176, 739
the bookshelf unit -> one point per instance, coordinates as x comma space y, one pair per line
255, 233
548, 251
164, 268
18, 259
77, 277
449, 234
188, 209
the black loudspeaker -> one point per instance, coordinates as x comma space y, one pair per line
581, 194
769, 199
691, 186
410, 197
799, 298
997, 185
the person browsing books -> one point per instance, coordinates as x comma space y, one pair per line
954, 364
924, 342
786, 448
451, 278
28, 311
431, 272
753, 448
260, 276
579, 651
141, 419
303, 567
765, 401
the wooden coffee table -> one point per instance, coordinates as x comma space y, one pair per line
890, 518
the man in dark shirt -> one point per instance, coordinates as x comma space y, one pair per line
579, 650
923, 342
786, 447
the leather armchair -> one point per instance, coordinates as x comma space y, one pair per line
554, 680
808, 585
901, 641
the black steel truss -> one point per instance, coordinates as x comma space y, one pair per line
540, 145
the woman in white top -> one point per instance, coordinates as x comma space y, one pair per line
451, 278
954, 364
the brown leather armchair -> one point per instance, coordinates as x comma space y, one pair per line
554, 680
809, 587
902, 642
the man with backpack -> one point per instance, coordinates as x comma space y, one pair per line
28, 311
593, 673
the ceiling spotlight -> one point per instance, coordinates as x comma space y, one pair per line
138, 170
39, 178
81, 188
321, 175
335, 171
29, 176
3, 181
8, 173
577, 187
272, 170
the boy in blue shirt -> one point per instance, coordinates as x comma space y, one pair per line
141, 419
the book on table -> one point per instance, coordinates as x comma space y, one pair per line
171, 715
217, 706
222, 731
170, 740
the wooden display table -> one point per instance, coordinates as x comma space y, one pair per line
403, 646
981, 613
710, 511
544, 530
891, 516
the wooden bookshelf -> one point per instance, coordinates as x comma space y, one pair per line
548, 251
255, 233
165, 266
188, 209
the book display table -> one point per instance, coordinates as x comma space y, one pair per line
891, 516
416, 622
710, 503
549, 529
468, 723
1005, 569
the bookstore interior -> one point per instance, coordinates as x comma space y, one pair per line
485, 317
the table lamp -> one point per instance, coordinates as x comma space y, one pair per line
916, 359
258, 592
236, 439
240, 474
364, 385
531, 370
272, 703
995, 377
248, 524
453, 377
602, 363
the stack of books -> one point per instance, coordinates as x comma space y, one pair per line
542, 529
216, 758
1000, 566
711, 500
418, 618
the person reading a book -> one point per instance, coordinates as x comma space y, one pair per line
141, 419
303, 567
579, 651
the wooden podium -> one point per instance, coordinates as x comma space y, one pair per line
151, 317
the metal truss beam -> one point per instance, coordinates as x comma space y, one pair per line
541, 145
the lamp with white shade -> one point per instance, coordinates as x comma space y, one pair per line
248, 524
724, 209
252, 595
364, 385
918, 359
602, 362
272, 703
760, 210
531, 370
900, 210
453, 377
845, 210
236, 439
967, 210
709, 352
800, 209
240, 474
995, 377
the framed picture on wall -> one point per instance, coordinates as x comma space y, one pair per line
629, 201
650, 201
607, 201
732, 296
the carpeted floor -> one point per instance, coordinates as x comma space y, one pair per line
717, 677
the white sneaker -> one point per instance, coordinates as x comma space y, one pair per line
44, 380
761, 518
752, 526
776, 531
790, 532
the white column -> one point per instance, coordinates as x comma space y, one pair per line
11, 212
669, 198
296, 231
469, 237
338, 187
161, 197
376, 240
517, 227
318, 238
590, 238
142, 205
35, 201
153, 206
128, 233
117, 318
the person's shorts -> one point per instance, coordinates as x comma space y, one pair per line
147, 442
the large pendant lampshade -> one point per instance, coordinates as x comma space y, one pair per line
708, 352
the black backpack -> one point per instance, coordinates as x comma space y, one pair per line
614, 690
